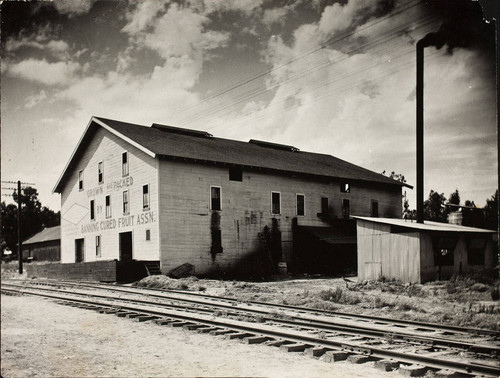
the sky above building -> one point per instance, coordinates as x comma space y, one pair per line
335, 77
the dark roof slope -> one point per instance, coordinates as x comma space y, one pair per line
206, 148
47, 234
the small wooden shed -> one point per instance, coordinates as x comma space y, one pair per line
44, 246
418, 252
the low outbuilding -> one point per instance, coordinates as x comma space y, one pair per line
44, 246
418, 252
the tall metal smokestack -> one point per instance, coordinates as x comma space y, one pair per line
420, 132
432, 39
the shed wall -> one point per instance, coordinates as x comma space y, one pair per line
385, 254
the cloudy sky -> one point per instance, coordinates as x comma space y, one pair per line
335, 77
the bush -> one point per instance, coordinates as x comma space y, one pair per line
495, 295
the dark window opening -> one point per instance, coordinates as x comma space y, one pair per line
345, 187
374, 211
125, 164
145, 197
475, 251
301, 204
92, 210
345, 208
79, 250
98, 245
324, 205
126, 206
100, 172
275, 203
80, 180
215, 198
216, 242
148, 235
235, 174
444, 248
108, 207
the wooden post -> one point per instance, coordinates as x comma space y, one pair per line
420, 132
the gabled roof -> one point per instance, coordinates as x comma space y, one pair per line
170, 142
47, 234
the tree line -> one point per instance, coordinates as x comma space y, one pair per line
438, 208
34, 218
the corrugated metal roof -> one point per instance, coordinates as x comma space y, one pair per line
47, 234
427, 225
200, 146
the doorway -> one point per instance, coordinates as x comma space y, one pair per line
125, 246
79, 250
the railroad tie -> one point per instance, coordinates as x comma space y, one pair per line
335, 355
293, 347
238, 335
359, 358
413, 370
386, 365
316, 351
445, 373
143, 318
219, 332
277, 343
206, 329
192, 326
255, 339
163, 321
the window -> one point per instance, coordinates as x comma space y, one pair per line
80, 180
126, 208
324, 205
145, 197
345, 208
215, 203
301, 204
275, 203
374, 209
92, 210
345, 187
235, 174
148, 235
125, 164
100, 172
108, 206
444, 248
98, 245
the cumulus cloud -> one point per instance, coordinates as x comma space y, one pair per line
73, 7
44, 72
142, 16
35, 99
274, 16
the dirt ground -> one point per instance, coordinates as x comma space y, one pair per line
463, 301
43, 339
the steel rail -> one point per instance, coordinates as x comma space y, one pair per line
431, 326
431, 362
297, 321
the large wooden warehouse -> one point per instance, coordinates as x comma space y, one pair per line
176, 196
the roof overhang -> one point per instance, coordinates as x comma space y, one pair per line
85, 136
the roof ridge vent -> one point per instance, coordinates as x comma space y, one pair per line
182, 131
276, 146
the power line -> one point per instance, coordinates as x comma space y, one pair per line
400, 10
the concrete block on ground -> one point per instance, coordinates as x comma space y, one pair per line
316, 351
386, 365
293, 347
335, 355
359, 358
413, 370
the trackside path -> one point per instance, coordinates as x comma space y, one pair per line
41, 338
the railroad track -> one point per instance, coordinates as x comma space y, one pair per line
412, 347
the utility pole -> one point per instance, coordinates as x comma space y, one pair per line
19, 201
19, 243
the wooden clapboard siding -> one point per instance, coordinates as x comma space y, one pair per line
385, 254
108, 148
185, 216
